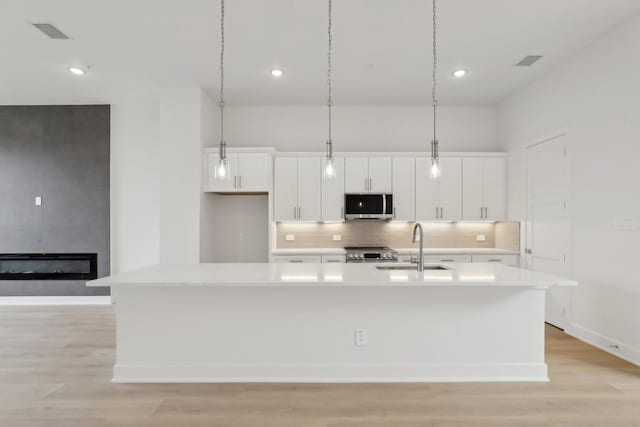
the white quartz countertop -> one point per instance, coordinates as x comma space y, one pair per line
333, 275
457, 251
401, 251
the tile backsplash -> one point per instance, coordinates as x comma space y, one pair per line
504, 235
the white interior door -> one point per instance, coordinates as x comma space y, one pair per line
379, 175
285, 185
404, 181
547, 221
450, 189
356, 175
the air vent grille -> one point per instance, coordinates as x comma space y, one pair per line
51, 31
529, 60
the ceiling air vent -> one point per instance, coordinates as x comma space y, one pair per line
529, 60
51, 31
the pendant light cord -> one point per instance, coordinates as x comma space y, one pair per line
329, 64
434, 101
222, 72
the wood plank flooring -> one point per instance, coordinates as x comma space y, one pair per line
55, 368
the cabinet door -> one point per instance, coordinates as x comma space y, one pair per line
309, 189
228, 184
379, 174
495, 188
285, 189
426, 191
333, 192
253, 172
333, 259
356, 175
450, 189
472, 189
403, 183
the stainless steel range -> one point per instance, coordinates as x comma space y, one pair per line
371, 254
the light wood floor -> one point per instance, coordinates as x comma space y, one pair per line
55, 367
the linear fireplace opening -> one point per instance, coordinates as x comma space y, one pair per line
49, 266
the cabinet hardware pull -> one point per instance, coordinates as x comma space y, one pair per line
295, 213
235, 182
446, 260
370, 183
436, 212
333, 260
299, 212
240, 181
366, 184
394, 213
486, 212
342, 212
494, 260
296, 260
481, 213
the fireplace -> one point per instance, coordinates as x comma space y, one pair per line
49, 266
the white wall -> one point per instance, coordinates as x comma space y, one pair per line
209, 137
595, 95
135, 193
362, 128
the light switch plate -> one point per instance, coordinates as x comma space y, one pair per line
362, 337
290, 237
38, 201
481, 237
337, 237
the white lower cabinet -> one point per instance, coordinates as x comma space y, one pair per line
333, 258
512, 260
298, 258
430, 259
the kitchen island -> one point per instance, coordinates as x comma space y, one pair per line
330, 323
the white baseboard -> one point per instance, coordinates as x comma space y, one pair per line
607, 344
342, 373
56, 300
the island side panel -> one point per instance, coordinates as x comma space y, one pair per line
307, 334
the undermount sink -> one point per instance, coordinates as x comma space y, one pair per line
410, 267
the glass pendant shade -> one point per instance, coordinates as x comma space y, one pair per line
435, 160
222, 168
329, 165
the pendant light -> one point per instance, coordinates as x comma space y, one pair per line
435, 154
222, 168
329, 169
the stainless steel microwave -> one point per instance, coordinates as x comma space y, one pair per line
368, 206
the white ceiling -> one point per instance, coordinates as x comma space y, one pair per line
382, 48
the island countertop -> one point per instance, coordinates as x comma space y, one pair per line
331, 275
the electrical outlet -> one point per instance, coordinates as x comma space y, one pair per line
481, 237
38, 201
337, 237
362, 337
290, 237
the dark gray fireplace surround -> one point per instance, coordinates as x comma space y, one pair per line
61, 154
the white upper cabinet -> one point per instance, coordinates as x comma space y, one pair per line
484, 189
439, 199
333, 192
368, 175
356, 174
246, 172
379, 175
285, 185
297, 192
309, 189
404, 185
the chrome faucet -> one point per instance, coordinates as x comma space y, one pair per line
420, 254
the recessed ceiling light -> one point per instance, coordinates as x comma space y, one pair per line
277, 72
459, 73
77, 71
